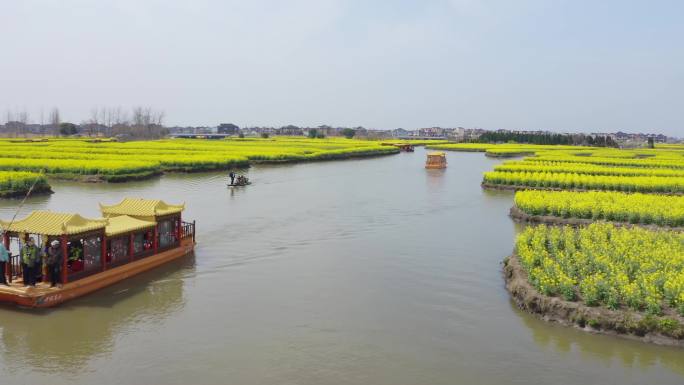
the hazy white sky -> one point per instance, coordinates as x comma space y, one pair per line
565, 65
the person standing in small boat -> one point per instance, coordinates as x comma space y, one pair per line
232, 177
30, 260
4, 259
53, 260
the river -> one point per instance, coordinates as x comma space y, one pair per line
372, 271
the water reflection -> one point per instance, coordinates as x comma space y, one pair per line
568, 341
64, 339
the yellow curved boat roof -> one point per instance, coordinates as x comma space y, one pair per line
138, 207
52, 223
122, 224
439, 153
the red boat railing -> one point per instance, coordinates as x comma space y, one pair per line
188, 230
14, 267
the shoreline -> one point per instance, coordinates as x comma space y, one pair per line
13, 194
519, 215
624, 323
512, 187
123, 178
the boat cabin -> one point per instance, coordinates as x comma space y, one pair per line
436, 160
166, 217
129, 231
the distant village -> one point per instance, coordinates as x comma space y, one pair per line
148, 125
457, 134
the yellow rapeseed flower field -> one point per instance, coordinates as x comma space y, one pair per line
606, 265
604, 205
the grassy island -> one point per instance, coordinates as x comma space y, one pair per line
623, 280
112, 161
608, 255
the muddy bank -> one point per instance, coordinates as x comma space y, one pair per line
122, 178
520, 216
100, 178
510, 187
663, 330
328, 157
509, 154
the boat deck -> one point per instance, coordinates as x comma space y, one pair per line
44, 296
17, 288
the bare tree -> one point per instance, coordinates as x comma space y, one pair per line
42, 121
107, 120
94, 121
54, 121
23, 119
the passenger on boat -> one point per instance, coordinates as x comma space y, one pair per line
54, 262
4, 258
31, 262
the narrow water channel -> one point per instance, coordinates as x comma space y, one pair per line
370, 271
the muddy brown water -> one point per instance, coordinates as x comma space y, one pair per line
370, 271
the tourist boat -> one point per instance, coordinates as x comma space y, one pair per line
436, 160
133, 236
406, 147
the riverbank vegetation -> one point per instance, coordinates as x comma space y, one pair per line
561, 180
634, 170
117, 162
605, 265
618, 263
634, 208
14, 183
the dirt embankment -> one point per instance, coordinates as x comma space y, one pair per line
510, 187
520, 216
665, 330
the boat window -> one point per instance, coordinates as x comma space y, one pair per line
75, 261
138, 243
118, 250
167, 233
92, 253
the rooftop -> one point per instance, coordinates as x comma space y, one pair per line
140, 208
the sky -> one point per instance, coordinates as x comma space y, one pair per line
559, 65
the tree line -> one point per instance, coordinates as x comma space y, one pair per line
138, 122
548, 138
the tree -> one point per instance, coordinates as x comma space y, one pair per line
651, 144
67, 129
228, 128
54, 121
313, 133
264, 135
348, 133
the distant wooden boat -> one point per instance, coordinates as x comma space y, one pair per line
240, 181
239, 184
134, 236
406, 147
436, 160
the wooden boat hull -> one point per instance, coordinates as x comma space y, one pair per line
47, 297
